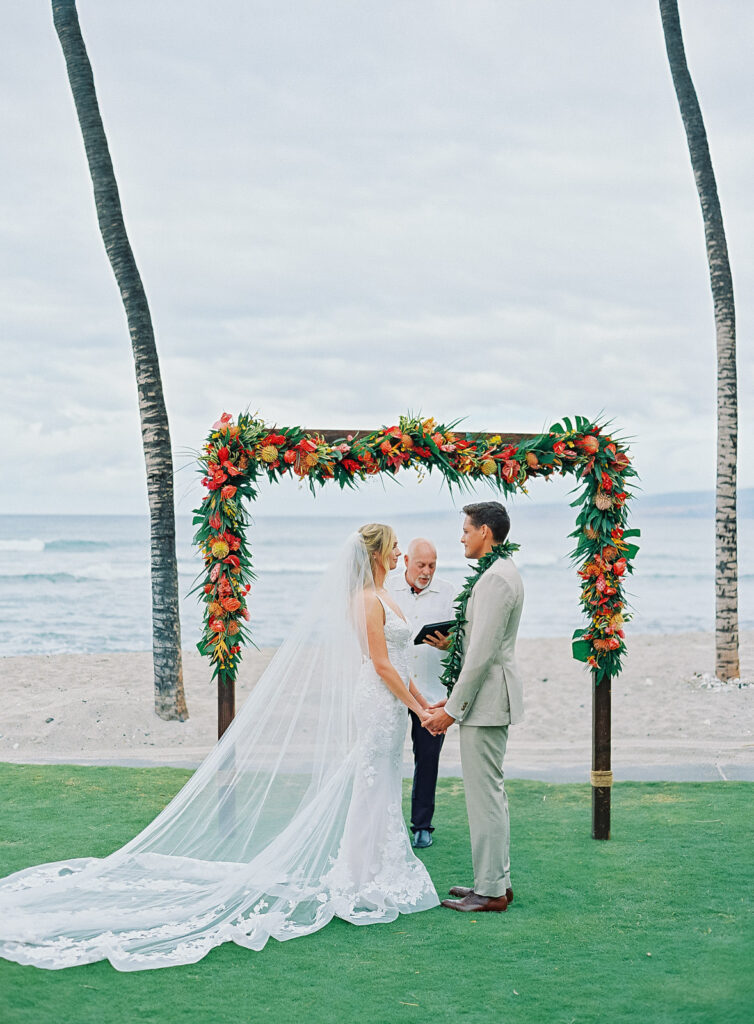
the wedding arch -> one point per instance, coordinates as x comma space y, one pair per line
238, 454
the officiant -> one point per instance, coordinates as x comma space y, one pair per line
424, 598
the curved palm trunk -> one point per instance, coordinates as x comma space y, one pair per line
170, 701
726, 558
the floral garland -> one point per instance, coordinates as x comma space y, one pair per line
237, 454
452, 661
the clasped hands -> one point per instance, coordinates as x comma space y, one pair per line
435, 719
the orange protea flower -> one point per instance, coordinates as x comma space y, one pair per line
312, 459
219, 549
269, 453
603, 501
407, 441
243, 462
233, 628
236, 570
215, 609
532, 460
588, 444
489, 467
609, 553
616, 621
591, 533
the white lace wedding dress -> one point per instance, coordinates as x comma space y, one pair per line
294, 818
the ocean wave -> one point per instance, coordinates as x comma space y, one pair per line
79, 545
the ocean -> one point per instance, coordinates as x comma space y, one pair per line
81, 583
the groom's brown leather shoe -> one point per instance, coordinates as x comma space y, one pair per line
466, 890
476, 904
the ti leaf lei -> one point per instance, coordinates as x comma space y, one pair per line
453, 659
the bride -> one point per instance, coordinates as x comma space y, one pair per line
293, 818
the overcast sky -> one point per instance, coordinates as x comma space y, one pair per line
346, 210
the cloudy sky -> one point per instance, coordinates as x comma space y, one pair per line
347, 210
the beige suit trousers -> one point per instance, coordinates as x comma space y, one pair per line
482, 753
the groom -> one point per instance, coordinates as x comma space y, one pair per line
486, 698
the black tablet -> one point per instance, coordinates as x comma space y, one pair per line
433, 627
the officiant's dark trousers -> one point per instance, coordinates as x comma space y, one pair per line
426, 760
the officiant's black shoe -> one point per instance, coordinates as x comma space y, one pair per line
476, 904
465, 890
422, 839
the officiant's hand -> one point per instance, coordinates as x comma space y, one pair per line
440, 641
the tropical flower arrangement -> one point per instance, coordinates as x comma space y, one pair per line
237, 454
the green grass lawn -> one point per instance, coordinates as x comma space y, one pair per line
653, 926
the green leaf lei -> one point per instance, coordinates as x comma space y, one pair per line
452, 661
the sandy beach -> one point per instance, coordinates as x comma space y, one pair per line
98, 709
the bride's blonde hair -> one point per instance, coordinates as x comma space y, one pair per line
379, 541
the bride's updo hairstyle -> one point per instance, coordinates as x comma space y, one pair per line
379, 541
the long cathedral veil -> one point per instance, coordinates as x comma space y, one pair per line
243, 851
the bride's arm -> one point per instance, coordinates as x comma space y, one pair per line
378, 654
415, 693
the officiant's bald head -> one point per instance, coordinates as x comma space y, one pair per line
421, 562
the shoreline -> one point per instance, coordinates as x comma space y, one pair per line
98, 709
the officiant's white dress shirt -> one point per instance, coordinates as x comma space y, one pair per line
433, 604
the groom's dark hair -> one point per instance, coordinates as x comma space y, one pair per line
492, 514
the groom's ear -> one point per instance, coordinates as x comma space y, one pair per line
405, 560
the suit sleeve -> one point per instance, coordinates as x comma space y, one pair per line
493, 603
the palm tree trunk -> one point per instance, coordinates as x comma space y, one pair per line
726, 541
170, 701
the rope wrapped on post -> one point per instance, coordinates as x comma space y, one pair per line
601, 779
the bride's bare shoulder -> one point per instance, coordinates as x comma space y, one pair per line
372, 604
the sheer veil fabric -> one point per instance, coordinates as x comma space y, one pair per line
294, 818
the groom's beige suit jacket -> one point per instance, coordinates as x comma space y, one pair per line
489, 690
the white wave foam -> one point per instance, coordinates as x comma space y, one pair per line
35, 544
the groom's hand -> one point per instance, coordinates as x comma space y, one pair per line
438, 721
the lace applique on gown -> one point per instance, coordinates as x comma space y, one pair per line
376, 874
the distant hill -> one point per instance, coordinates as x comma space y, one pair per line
691, 504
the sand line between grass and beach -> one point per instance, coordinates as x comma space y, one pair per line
98, 709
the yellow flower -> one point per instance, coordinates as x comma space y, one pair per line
496, 439
489, 467
220, 549
269, 453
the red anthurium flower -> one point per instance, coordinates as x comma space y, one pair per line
559, 448
233, 560
223, 454
385, 447
290, 456
214, 521
228, 492
510, 470
619, 567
